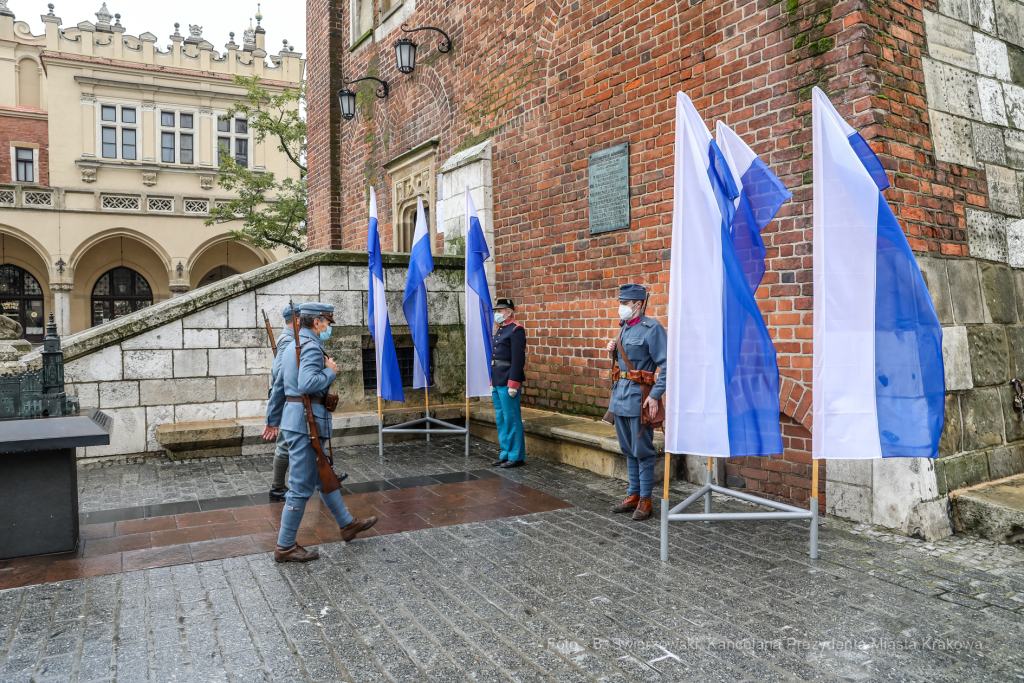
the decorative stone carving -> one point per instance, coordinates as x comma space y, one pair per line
249, 36
148, 106
87, 100
195, 31
205, 111
178, 290
9, 329
88, 175
61, 286
206, 182
104, 16
3, 6
149, 178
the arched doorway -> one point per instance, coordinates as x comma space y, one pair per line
218, 273
118, 292
21, 299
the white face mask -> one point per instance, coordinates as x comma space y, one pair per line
499, 318
626, 312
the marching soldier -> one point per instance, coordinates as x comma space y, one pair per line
508, 358
284, 345
646, 345
313, 377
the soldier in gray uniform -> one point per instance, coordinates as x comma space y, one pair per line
312, 376
646, 345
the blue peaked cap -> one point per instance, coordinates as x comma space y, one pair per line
632, 292
315, 308
287, 313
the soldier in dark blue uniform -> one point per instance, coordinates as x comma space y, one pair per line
646, 345
508, 360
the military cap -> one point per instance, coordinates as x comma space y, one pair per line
504, 303
315, 308
632, 292
287, 313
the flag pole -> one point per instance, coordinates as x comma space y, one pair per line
426, 392
814, 509
467, 426
707, 496
380, 428
664, 509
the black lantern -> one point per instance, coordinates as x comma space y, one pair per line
347, 102
405, 49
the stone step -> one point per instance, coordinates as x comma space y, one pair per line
993, 510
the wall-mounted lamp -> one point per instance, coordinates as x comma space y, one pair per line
347, 96
405, 49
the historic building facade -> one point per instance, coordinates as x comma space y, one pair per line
108, 165
531, 90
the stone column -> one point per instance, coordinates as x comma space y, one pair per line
62, 306
178, 290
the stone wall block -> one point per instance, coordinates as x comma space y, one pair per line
395, 278
956, 9
965, 291
444, 280
359, 279
952, 430
147, 364
128, 436
200, 339
953, 90
855, 472
305, 281
213, 317
274, 305
1013, 427
1015, 243
252, 337
156, 416
989, 145
1002, 462
203, 412
167, 336
227, 362
242, 387
348, 307
953, 138
990, 96
105, 365
965, 470
989, 355
88, 394
1008, 21
190, 363
345, 346
258, 361
253, 409
997, 290
118, 394
242, 311
983, 15
334, 277
950, 41
1013, 96
937, 281
172, 391
1015, 343
992, 57
443, 308
1003, 190
986, 236
847, 502
395, 312
956, 358
982, 418
1013, 140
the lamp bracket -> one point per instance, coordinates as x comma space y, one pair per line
382, 91
442, 46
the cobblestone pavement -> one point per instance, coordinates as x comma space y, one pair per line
570, 595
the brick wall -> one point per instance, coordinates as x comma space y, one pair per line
21, 129
552, 81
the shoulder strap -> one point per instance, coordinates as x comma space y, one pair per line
622, 351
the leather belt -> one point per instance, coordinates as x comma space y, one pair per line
319, 400
500, 363
618, 375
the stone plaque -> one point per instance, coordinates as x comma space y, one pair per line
608, 189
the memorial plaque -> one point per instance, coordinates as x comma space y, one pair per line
608, 189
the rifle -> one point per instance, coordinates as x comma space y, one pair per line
270, 332
324, 464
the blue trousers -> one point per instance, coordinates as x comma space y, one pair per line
509, 416
303, 479
639, 451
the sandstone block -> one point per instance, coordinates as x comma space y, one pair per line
167, 336
965, 470
306, 281
1014, 143
956, 358
951, 441
952, 136
334, 277
147, 364
227, 362
242, 311
993, 60
950, 41
937, 281
1014, 98
990, 96
1003, 189
250, 338
989, 355
1013, 427
203, 412
190, 363
213, 317
252, 409
242, 387
1015, 243
348, 307
258, 361
1015, 341
104, 365
156, 416
952, 90
128, 436
982, 419
118, 394
997, 293
174, 391
846, 501
200, 339
88, 394
965, 291
986, 235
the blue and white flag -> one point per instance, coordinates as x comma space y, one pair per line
879, 387
722, 383
414, 303
479, 314
389, 379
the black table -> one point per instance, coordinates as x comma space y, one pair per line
39, 479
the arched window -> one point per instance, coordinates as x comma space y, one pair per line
21, 299
407, 227
119, 292
28, 83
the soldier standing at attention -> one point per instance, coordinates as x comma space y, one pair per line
508, 358
284, 346
313, 377
646, 345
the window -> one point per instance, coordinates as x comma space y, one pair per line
186, 148
127, 115
167, 118
223, 149
165, 204
128, 143
167, 147
241, 126
114, 202
109, 143
25, 160
119, 292
242, 152
223, 124
21, 299
362, 18
108, 113
406, 362
185, 121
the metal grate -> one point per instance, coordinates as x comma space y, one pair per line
7, 197
116, 203
160, 204
405, 366
227, 202
197, 205
37, 198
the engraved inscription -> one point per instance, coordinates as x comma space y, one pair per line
608, 189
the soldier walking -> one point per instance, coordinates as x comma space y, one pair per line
284, 344
508, 360
312, 376
645, 344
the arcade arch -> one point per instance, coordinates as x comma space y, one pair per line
223, 257
98, 259
25, 294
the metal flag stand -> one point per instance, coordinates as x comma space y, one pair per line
782, 511
433, 425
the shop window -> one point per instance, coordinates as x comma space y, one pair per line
21, 299
119, 292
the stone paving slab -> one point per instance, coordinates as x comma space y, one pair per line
567, 595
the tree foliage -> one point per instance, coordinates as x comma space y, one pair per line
272, 212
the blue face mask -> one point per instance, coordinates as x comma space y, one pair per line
325, 334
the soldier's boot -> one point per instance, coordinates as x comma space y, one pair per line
278, 493
349, 531
627, 505
643, 509
295, 554
499, 462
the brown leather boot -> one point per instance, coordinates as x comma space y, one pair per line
349, 531
643, 510
295, 554
627, 505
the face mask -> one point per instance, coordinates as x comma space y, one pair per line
325, 334
626, 312
499, 317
